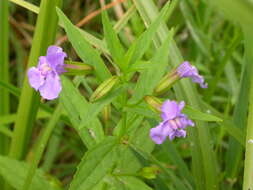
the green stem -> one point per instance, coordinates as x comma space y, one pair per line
4, 71
248, 164
41, 147
4, 64
29, 101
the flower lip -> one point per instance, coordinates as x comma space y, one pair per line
157, 134
170, 109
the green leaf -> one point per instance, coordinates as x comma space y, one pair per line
96, 163
133, 183
116, 49
10, 118
76, 106
99, 44
228, 125
127, 162
143, 109
16, 92
241, 11
27, 5
94, 41
12, 89
140, 66
85, 51
198, 115
150, 77
139, 47
177, 159
193, 28
14, 172
146, 158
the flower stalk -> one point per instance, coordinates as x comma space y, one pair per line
154, 103
4, 71
248, 164
4, 66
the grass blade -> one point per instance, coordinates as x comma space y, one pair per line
113, 43
4, 72
204, 161
43, 140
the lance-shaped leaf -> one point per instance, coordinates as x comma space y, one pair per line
141, 45
96, 163
113, 43
149, 78
198, 115
85, 51
76, 106
14, 172
104, 88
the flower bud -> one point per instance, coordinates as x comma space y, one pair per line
167, 82
104, 88
184, 70
154, 103
149, 172
77, 68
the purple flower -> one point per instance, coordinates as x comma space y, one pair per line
173, 124
45, 77
187, 70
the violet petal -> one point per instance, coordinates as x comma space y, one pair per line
157, 134
169, 109
35, 78
55, 57
52, 87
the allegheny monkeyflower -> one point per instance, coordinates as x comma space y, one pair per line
45, 77
173, 124
185, 70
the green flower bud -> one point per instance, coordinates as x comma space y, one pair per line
77, 68
154, 103
104, 88
167, 82
149, 172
